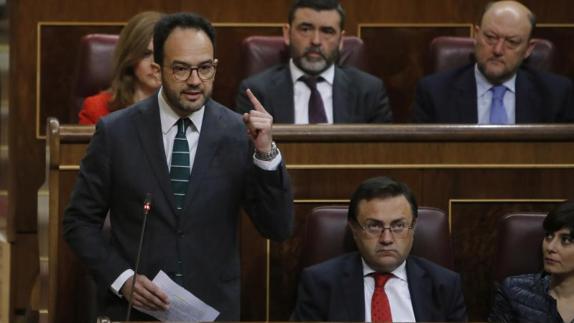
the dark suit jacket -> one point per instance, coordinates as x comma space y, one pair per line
450, 97
333, 291
126, 160
358, 97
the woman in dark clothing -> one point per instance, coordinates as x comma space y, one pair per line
546, 296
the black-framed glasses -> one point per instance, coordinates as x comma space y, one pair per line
374, 228
205, 71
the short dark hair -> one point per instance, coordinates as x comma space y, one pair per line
380, 187
167, 24
559, 218
318, 5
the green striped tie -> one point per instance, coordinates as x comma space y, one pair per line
179, 170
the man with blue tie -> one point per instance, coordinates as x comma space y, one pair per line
380, 282
497, 89
198, 163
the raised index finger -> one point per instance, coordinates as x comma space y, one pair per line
256, 104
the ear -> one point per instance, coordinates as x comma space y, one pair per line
476, 32
341, 41
286, 34
530, 48
353, 230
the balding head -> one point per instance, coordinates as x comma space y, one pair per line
514, 11
503, 40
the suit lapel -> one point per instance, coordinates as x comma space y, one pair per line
353, 289
148, 126
281, 97
420, 288
526, 100
465, 100
342, 97
209, 139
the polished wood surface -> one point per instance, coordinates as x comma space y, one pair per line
26, 120
475, 173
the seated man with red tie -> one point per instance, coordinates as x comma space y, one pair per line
497, 89
380, 282
311, 88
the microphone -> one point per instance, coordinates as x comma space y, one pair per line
146, 210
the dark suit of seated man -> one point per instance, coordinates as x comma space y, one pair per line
496, 90
337, 94
380, 282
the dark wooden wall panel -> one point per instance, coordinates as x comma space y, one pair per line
26, 152
561, 36
399, 54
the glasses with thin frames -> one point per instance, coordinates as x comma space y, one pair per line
374, 228
182, 72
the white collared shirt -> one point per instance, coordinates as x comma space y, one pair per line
169, 120
397, 290
302, 93
484, 97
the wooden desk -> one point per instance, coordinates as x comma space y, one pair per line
475, 173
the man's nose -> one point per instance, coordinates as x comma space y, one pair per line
316, 39
386, 236
498, 48
194, 77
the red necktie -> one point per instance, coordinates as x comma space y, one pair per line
380, 308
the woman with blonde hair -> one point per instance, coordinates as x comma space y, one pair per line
135, 75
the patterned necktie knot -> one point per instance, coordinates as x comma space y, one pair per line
381, 279
182, 125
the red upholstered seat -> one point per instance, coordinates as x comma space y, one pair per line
93, 68
328, 236
261, 52
450, 52
519, 244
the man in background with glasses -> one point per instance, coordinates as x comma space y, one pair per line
192, 164
498, 88
380, 282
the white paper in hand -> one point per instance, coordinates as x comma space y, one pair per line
183, 305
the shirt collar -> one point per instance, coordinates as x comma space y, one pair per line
483, 85
328, 75
400, 272
169, 118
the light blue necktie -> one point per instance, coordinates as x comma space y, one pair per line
497, 111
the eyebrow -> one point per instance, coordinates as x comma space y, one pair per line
402, 219
187, 64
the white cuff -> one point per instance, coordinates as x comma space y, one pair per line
272, 164
120, 281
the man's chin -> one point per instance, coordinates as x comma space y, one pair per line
313, 67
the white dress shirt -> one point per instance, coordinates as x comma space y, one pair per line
397, 290
484, 97
302, 93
